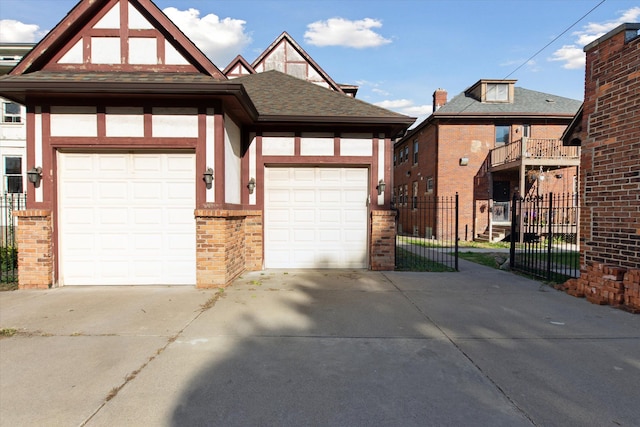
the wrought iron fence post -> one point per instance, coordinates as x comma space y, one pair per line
456, 234
514, 227
549, 236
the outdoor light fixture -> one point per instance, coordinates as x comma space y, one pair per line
251, 185
381, 186
464, 161
207, 176
35, 176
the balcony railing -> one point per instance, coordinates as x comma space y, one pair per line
532, 149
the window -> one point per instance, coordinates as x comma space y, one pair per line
406, 194
406, 152
430, 185
497, 92
415, 152
526, 131
400, 196
395, 158
414, 196
13, 174
400, 155
11, 113
502, 135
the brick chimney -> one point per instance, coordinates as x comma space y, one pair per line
439, 99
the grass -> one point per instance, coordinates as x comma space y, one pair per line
484, 258
408, 261
8, 286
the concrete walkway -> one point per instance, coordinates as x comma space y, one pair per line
478, 347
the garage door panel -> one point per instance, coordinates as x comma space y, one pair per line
303, 196
80, 191
136, 231
113, 190
302, 175
327, 211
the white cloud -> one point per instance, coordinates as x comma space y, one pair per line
573, 55
17, 32
406, 106
220, 39
342, 32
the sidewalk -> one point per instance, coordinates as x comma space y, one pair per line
320, 347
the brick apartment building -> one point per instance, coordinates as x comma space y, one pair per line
608, 130
488, 143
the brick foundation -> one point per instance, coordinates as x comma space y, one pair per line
35, 251
227, 244
383, 240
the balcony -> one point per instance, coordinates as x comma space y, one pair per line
532, 151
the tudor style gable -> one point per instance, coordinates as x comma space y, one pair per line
287, 56
238, 67
118, 35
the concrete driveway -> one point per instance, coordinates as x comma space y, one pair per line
478, 347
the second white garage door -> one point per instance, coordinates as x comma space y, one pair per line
127, 218
316, 217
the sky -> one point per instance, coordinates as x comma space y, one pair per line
397, 51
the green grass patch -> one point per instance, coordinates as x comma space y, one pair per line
408, 261
493, 260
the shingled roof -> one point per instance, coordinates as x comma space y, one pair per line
526, 102
278, 95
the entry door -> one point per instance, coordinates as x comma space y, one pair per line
316, 217
126, 218
501, 201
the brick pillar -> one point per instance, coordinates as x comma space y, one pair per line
383, 240
35, 249
228, 243
254, 244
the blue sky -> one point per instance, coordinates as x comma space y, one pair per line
397, 51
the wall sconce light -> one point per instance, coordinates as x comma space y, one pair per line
207, 176
381, 186
251, 185
35, 176
464, 161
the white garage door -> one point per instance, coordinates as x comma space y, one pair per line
127, 218
316, 217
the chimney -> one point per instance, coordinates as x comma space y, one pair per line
439, 99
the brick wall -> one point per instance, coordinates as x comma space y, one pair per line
227, 244
610, 162
35, 251
383, 240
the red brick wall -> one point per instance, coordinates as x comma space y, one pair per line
227, 244
383, 240
610, 163
35, 251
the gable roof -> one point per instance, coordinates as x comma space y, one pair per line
88, 13
525, 102
238, 67
281, 97
294, 55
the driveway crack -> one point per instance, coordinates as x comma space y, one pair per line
131, 376
466, 356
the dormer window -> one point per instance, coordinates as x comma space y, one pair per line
492, 91
497, 92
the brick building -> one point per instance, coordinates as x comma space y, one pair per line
608, 130
488, 143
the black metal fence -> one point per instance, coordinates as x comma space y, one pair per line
544, 236
9, 202
427, 233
